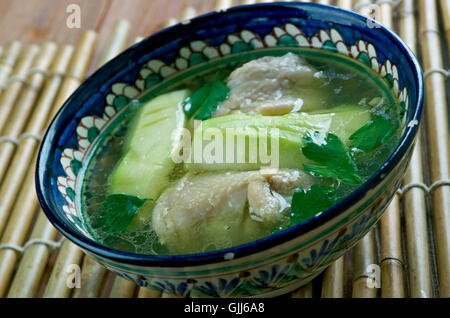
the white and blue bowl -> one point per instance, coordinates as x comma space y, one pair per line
270, 266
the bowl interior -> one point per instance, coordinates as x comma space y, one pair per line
92, 110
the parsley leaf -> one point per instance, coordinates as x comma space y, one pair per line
117, 212
334, 160
378, 131
306, 205
373, 134
206, 100
392, 111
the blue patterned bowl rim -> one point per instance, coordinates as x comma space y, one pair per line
43, 170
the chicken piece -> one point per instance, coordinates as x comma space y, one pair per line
263, 204
273, 86
209, 211
288, 180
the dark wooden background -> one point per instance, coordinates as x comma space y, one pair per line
34, 21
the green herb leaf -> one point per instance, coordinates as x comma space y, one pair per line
117, 212
306, 205
375, 133
205, 100
194, 102
378, 131
393, 112
332, 156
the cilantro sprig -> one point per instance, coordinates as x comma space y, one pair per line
308, 203
376, 132
316, 199
205, 100
117, 212
333, 158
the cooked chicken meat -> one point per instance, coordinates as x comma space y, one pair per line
211, 211
273, 86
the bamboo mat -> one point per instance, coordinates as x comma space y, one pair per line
410, 245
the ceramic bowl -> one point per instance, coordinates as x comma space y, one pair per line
270, 266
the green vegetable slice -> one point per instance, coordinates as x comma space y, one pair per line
147, 163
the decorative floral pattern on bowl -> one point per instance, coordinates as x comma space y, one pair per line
273, 265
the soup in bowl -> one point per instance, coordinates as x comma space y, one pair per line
237, 154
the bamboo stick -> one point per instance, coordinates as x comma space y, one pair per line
247, 2
15, 233
327, 2
148, 293
364, 251
303, 292
348, 273
50, 264
18, 117
169, 22
106, 287
117, 42
385, 14
35, 257
392, 284
8, 60
34, 261
81, 58
12, 91
445, 11
363, 7
223, 4
187, 14
92, 276
57, 286
138, 39
75, 73
438, 137
166, 295
345, 4
333, 280
122, 288
363, 256
417, 243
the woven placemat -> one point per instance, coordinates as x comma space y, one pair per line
406, 255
